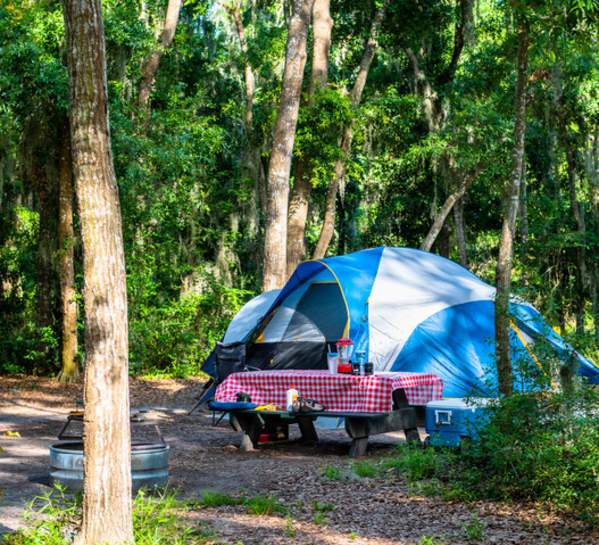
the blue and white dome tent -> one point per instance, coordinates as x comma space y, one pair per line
410, 310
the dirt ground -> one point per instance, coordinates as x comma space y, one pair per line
370, 511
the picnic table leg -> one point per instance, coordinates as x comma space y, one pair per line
307, 429
358, 447
250, 425
412, 436
359, 430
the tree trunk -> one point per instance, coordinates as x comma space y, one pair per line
298, 213
581, 269
322, 25
152, 62
107, 515
449, 203
523, 213
299, 202
251, 154
510, 213
460, 230
66, 265
275, 243
328, 224
45, 188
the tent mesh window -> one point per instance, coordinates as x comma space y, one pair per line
318, 318
320, 313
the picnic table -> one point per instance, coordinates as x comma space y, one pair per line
369, 404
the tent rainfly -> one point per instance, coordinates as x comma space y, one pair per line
409, 310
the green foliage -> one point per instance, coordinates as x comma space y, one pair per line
55, 519
188, 191
537, 447
174, 338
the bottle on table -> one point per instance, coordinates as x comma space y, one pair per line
291, 396
361, 362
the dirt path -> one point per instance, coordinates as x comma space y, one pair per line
370, 511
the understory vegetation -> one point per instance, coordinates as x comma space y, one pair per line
537, 448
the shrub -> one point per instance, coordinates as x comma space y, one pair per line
540, 447
175, 336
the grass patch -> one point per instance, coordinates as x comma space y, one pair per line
475, 529
218, 499
323, 507
364, 469
430, 540
264, 505
290, 530
332, 473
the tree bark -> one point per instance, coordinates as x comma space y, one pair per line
449, 203
463, 31
275, 244
251, 153
330, 208
503, 275
577, 211
523, 214
152, 62
107, 514
460, 230
322, 25
328, 225
66, 265
46, 193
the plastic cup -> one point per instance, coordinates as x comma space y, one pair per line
332, 361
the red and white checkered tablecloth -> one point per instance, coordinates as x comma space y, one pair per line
339, 393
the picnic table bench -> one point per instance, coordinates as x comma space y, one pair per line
370, 405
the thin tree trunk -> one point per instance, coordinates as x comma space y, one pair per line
328, 225
523, 213
449, 203
503, 277
591, 163
298, 214
66, 265
275, 243
460, 230
45, 188
581, 269
299, 202
152, 62
107, 514
330, 209
251, 154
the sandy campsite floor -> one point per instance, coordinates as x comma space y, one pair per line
371, 511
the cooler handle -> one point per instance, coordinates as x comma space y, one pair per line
442, 418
